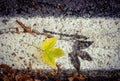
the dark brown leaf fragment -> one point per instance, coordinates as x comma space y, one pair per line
48, 35
77, 77
80, 37
59, 70
26, 29
17, 31
81, 44
36, 31
75, 60
6, 78
84, 55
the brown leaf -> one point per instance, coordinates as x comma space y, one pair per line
48, 35
74, 60
70, 78
37, 71
4, 66
77, 77
26, 29
53, 73
74, 76
81, 44
82, 77
59, 69
36, 31
18, 77
17, 31
23, 77
80, 36
6, 78
84, 55
12, 77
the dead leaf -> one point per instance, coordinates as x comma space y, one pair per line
74, 76
70, 78
53, 73
23, 77
37, 71
59, 69
77, 46
82, 77
26, 29
77, 77
6, 78
80, 36
36, 31
17, 31
84, 55
48, 35
4, 66
81, 44
74, 60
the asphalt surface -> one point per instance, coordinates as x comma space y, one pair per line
57, 8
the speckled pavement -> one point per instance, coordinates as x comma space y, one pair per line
104, 33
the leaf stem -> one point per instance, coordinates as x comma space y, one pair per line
32, 45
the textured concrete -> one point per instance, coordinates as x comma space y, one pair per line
105, 33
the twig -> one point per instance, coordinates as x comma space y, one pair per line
33, 46
45, 32
67, 35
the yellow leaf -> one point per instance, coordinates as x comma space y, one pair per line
56, 52
50, 53
44, 57
51, 61
47, 58
49, 43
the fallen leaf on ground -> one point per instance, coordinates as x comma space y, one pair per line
17, 31
50, 53
48, 35
26, 29
77, 77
